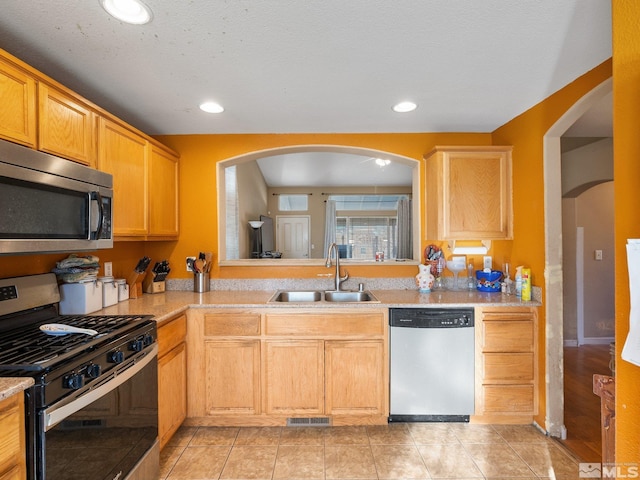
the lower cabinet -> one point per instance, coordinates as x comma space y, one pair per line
12, 438
506, 365
260, 367
172, 377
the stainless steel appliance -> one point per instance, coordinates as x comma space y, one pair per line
93, 411
432, 364
50, 204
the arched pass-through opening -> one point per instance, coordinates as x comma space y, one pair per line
554, 415
312, 148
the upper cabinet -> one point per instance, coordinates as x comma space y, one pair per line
66, 126
163, 193
145, 183
18, 99
468, 193
123, 154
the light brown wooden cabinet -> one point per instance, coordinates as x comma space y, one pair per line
468, 193
66, 126
18, 98
260, 367
294, 377
124, 154
163, 194
172, 377
12, 438
506, 365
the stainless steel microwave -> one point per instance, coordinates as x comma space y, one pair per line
49, 204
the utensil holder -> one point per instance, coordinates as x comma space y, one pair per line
201, 282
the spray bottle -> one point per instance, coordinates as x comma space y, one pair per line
519, 281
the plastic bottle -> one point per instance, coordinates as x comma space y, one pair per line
526, 284
519, 281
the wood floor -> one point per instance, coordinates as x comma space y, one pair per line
581, 405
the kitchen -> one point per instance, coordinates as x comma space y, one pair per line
198, 154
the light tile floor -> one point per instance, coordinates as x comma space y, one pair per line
397, 451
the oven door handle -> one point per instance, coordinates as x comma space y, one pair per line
54, 415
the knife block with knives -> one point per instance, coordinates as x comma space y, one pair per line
155, 283
137, 276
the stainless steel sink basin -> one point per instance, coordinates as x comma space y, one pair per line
349, 297
329, 296
288, 296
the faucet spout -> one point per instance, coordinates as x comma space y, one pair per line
338, 278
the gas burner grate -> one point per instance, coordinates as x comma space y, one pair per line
28, 348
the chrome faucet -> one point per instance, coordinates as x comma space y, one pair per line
339, 279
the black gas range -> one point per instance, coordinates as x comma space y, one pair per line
92, 412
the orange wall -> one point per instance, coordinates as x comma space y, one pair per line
198, 198
526, 133
626, 165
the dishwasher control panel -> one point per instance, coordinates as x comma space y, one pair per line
431, 317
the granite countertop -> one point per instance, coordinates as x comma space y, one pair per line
164, 306
10, 386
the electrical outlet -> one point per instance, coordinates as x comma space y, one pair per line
598, 254
108, 269
190, 261
487, 262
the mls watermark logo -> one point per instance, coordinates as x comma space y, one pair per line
608, 470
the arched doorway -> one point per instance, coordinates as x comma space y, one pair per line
554, 416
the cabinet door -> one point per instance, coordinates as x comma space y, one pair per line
18, 99
294, 380
354, 377
12, 438
469, 193
163, 193
232, 377
123, 154
66, 126
172, 392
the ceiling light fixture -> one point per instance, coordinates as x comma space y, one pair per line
404, 107
211, 107
129, 11
382, 162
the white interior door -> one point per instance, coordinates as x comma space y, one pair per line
292, 237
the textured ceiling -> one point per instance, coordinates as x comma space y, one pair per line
285, 66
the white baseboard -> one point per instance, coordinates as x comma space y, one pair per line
598, 340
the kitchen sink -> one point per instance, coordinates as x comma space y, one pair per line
349, 297
287, 296
330, 296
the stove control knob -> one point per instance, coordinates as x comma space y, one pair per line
73, 381
137, 345
148, 339
116, 356
93, 370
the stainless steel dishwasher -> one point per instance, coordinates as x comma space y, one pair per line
432, 364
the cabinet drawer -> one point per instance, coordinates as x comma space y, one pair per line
171, 334
512, 336
508, 398
507, 367
221, 324
325, 324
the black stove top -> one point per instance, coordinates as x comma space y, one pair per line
28, 348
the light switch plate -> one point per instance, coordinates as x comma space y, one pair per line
487, 262
108, 269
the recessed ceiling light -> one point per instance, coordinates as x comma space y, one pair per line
404, 107
129, 11
382, 162
211, 107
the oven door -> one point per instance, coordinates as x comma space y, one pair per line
105, 433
